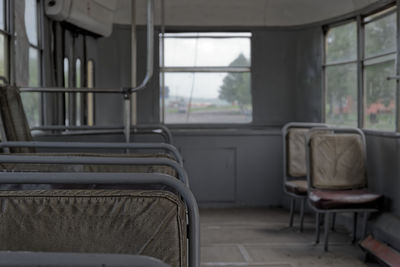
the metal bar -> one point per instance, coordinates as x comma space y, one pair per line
343, 62
397, 100
205, 69
150, 47
326, 234
292, 207
150, 127
381, 58
60, 259
385, 12
121, 178
360, 72
354, 233
71, 90
395, 77
317, 227
162, 146
162, 62
10, 158
302, 203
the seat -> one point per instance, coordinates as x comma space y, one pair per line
337, 177
158, 223
294, 165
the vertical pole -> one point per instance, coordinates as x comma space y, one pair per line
326, 235
317, 227
162, 62
360, 71
130, 99
292, 207
398, 66
303, 200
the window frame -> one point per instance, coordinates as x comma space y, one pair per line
361, 59
202, 69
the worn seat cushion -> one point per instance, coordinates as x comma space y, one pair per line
298, 187
337, 162
145, 222
336, 199
296, 152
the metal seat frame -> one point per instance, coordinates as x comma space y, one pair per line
286, 177
328, 212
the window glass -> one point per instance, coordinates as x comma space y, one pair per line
380, 36
90, 97
66, 72
196, 92
341, 107
34, 67
2, 15
31, 25
341, 94
78, 96
341, 43
206, 52
31, 101
380, 106
3, 56
208, 98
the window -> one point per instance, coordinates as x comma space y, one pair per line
66, 95
341, 75
78, 96
32, 101
3, 43
90, 96
379, 63
358, 91
206, 78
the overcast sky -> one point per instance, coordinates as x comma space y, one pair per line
210, 52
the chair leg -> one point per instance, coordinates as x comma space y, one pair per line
317, 227
364, 226
302, 214
292, 207
333, 221
354, 227
326, 235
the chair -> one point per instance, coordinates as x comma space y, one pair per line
163, 224
337, 176
294, 165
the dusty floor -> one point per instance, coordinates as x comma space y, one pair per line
261, 237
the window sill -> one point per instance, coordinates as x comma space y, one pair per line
369, 132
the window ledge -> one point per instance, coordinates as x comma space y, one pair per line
381, 133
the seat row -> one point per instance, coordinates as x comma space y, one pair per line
327, 168
137, 203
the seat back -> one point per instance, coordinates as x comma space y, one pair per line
15, 123
143, 222
337, 161
296, 152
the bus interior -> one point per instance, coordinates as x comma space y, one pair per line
191, 133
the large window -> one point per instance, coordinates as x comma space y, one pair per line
341, 75
3, 42
358, 90
206, 78
379, 63
32, 101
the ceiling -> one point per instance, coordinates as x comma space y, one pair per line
240, 12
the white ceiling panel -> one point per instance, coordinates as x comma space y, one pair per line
241, 12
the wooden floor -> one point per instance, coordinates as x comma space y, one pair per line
261, 237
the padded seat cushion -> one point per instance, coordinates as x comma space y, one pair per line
337, 162
298, 187
296, 159
145, 222
336, 199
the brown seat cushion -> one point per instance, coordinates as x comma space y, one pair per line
336, 199
151, 223
298, 187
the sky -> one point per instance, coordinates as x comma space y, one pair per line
211, 52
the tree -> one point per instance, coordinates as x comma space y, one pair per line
235, 86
